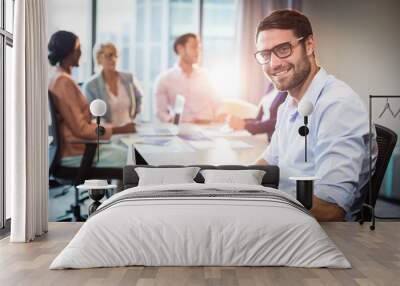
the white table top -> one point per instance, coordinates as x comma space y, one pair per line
211, 144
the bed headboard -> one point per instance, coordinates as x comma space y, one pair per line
270, 179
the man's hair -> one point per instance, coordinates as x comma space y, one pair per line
286, 20
182, 40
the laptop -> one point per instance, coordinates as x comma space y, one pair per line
168, 129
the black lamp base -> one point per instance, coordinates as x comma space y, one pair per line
96, 195
305, 190
304, 193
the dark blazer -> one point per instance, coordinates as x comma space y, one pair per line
257, 125
95, 88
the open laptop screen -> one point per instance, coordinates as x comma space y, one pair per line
179, 107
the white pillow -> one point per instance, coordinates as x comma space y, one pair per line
248, 177
164, 176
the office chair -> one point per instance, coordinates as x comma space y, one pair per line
386, 140
74, 175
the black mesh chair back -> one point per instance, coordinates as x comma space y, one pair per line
386, 140
54, 144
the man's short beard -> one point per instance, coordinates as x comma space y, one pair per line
300, 75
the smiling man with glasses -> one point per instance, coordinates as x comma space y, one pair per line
338, 150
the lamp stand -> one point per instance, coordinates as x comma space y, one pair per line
98, 137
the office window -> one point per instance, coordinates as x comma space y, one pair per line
219, 42
74, 16
219, 31
138, 30
184, 18
150, 48
9, 12
8, 69
115, 27
2, 126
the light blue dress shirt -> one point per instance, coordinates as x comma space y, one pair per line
338, 143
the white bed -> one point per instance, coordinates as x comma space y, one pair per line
258, 226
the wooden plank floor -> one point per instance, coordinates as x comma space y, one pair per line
375, 257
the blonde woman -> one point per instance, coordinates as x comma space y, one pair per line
118, 89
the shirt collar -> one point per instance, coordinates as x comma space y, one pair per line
312, 93
317, 85
180, 70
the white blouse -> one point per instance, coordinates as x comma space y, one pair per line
120, 105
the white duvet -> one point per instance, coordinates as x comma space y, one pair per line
200, 231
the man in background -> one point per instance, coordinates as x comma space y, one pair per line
265, 120
189, 80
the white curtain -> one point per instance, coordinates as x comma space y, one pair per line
26, 123
253, 82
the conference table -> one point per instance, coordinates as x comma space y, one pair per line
213, 144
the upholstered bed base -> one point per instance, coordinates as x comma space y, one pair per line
270, 179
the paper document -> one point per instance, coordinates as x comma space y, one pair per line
158, 145
237, 144
225, 131
153, 141
147, 141
171, 148
194, 137
201, 145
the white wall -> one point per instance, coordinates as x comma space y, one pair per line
359, 42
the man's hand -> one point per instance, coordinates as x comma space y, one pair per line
127, 128
324, 211
236, 123
220, 118
261, 162
321, 210
201, 121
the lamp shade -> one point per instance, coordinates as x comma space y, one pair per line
305, 107
98, 108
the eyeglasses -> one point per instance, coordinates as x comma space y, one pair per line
110, 56
282, 51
